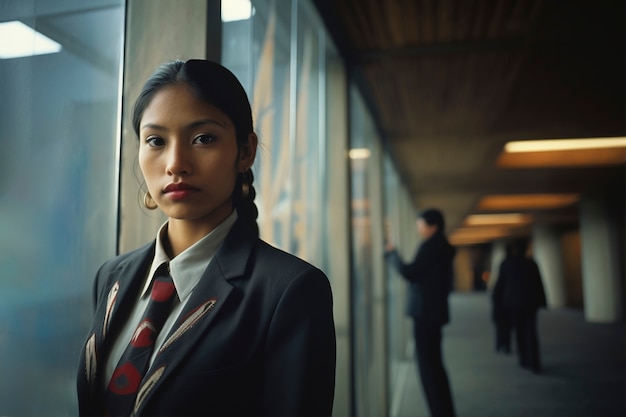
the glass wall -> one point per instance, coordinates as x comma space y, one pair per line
296, 84
58, 194
368, 275
399, 227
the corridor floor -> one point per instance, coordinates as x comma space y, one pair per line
584, 368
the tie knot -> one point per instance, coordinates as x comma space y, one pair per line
162, 288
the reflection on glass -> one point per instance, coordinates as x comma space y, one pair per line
285, 91
57, 197
282, 55
368, 286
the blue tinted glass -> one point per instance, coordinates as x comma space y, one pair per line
58, 195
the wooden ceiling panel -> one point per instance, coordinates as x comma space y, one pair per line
450, 81
461, 94
384, 25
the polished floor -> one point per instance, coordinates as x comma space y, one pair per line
584, 368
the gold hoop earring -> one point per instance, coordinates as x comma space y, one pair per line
148, 202
246, 183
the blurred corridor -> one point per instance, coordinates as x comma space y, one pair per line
583, 368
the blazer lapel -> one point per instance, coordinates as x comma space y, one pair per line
119, 287
200, 310
123, 286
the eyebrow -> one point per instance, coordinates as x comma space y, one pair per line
191, 125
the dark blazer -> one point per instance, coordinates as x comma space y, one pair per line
430, 277
256, 338
519, 285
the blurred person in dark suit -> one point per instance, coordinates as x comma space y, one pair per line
430, 276
500, 316
520, 291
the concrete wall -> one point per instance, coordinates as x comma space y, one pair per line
147, 46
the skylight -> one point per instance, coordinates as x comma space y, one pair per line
20, 40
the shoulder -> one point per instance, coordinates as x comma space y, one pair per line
268, 256
284, 271
293, 289
436, 242
128, 258
532, 265
116, 267
506, 261
438, 246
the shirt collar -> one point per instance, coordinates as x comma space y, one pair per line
187, 268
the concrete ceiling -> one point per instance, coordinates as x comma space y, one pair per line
450, 82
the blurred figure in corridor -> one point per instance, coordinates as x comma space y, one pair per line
430, 276
520, 292
500, 316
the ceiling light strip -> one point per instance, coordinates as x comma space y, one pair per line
549, 145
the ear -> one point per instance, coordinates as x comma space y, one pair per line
247, 153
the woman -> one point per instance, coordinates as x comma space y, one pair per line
248, 329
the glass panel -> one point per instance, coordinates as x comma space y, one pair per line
368, 286
258, 51
273, 102
336, 239
399, 224
58, 196
289, 166
296, 83
308, 159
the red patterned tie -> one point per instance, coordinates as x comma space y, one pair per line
121, 392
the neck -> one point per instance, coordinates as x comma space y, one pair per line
181, 234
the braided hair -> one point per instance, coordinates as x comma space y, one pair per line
243, 199
218, 86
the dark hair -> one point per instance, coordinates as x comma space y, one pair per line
434, 217
216, 85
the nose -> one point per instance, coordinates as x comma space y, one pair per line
178, 160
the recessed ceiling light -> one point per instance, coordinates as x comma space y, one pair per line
526, 201
475, 235
498, 219
20, 40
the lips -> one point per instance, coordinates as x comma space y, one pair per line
178, 187
179, 191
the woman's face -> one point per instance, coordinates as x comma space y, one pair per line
189, 157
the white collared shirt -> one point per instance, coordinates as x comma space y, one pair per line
186, 270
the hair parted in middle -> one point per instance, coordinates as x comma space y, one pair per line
218, 86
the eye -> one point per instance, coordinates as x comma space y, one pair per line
155, 141
204, 139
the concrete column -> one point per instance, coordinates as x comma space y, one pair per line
546, 249
602, 291
463, 270
146, 47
